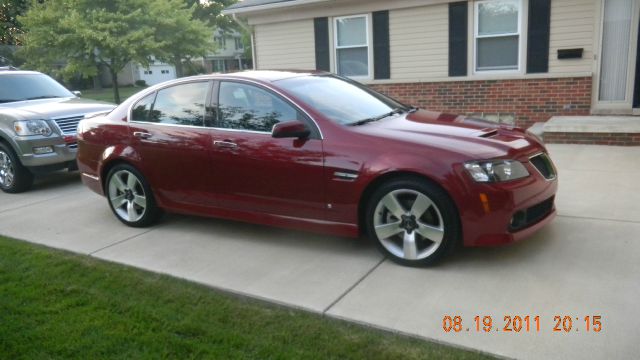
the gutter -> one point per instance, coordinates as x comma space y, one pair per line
265, 7
247, 28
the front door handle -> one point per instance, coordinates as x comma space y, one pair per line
142, 134
225, 144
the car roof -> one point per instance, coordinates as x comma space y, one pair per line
261, 75
17, 72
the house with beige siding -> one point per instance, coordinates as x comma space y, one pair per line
512, 61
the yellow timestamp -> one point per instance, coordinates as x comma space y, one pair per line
522, 324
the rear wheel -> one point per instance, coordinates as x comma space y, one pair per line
130, 197
413, 222
14, 178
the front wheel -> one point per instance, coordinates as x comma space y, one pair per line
14, 178
413, 222
130, 197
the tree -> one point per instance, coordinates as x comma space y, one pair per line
178, 34
10, 27
77, 36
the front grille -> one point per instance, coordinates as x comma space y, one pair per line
543, 164
529, 216
68, 125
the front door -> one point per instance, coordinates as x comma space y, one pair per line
618, 54
636, 86
251, 170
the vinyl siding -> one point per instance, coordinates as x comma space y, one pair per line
418, 38
419, 42
286, 45
572, 26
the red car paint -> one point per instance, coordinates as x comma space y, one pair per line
292, 183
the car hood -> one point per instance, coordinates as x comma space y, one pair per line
53, 108
471, 138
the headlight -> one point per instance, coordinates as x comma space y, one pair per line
496, 170
32, 127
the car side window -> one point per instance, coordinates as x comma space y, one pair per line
182, 104
248, 107
142, 109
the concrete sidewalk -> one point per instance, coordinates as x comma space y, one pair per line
586, 263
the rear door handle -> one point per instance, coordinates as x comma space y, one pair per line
225, 144
142, 134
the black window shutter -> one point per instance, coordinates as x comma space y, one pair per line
458, 21
538, 36
321, 36
381, 56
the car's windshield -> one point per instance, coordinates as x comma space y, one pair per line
20, 87
343, 101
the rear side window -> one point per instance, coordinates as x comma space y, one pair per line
142, 108
182, 104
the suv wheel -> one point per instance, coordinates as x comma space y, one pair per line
14, 178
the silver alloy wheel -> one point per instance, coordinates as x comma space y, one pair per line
7, 172
127, 196
408, 224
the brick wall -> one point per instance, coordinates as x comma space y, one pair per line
531, 100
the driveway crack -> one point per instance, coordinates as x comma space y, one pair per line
346, 292
120, 242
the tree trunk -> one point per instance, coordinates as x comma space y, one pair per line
114, 82
177, 62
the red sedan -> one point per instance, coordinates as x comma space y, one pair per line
317, 152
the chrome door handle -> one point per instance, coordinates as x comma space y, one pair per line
142, 134
226, 144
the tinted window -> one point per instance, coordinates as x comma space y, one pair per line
178, 105
340, 100
248, 107
141, 110
19, 87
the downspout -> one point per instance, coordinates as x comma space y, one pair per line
248, 29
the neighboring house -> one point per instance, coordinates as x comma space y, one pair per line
519, 61
156, 73
229, 54
228, 57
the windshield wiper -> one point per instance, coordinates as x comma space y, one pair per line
376, 118
43, 97
413, 109
8, 100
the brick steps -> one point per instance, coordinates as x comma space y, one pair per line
595, 130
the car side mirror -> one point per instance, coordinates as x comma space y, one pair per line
77, 93
290, 129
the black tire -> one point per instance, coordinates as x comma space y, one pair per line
439, 220
14, 178
128, 193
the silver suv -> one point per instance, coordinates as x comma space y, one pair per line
38, 121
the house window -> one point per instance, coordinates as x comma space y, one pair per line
351, 39
239, 45
497, 35
164, 71
220, 40
148, 72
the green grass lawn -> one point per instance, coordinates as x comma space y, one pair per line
55, 304
106, 94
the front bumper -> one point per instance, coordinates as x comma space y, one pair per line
64, 150
491, 222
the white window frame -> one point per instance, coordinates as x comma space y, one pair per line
520, 34
367, 19
238, 43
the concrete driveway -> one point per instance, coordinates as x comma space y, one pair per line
586, 263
